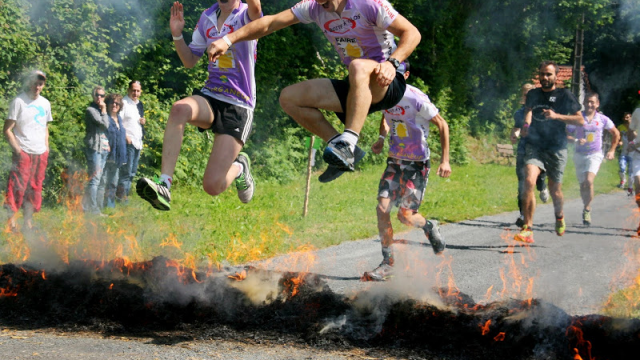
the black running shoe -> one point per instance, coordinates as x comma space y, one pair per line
339, 155
383, 272
155, 192
432, 230
333, 172
519, 222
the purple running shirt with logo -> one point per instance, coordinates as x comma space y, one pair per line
360, 31
592, 132
232, 76
409, 126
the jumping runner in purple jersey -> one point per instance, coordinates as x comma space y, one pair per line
224, 105
362, 32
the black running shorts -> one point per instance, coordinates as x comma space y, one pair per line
394, 94
228, 119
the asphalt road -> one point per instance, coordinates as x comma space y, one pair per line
576, 272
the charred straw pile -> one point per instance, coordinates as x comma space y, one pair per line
153, 295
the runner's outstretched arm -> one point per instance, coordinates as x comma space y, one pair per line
254, 30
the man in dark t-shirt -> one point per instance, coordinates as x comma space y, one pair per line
548, 110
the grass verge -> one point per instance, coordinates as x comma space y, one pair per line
221, 229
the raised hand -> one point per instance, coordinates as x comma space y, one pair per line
177, 19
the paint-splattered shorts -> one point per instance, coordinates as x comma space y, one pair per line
404, 182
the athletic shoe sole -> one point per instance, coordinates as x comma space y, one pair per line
333, 172
332, 156
147, 190
369, 276
435, 238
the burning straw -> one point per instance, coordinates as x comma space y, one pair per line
148, 296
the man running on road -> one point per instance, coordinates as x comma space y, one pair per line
548, 112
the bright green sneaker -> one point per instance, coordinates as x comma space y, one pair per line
586, 217
155, 192
525, 235
244, 183
560, 226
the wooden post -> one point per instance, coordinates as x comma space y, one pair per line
306, 192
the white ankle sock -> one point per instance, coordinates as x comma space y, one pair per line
349, 137
168, 180
239, 164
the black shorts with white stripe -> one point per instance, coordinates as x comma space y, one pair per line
228, 118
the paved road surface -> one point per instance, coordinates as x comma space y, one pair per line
576, 272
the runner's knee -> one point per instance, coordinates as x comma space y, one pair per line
360, 70
404, 216
288, 99
215, 186
181, 112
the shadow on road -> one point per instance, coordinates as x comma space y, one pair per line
550, 227
503, 249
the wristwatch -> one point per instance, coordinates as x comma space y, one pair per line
395, 62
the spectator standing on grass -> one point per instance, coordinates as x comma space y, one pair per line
588, 155
541, 183
362, 32
224, 105
96, 148
548, 111
133, 120
624, 160
117, 157
405, 179
26, 129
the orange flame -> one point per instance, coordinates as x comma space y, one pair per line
499, 337
485, 327
239, 276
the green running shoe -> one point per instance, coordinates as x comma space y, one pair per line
245, 183
525, 235
586, 217
560, 226
155, 192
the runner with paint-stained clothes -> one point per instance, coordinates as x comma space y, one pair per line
405, 178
